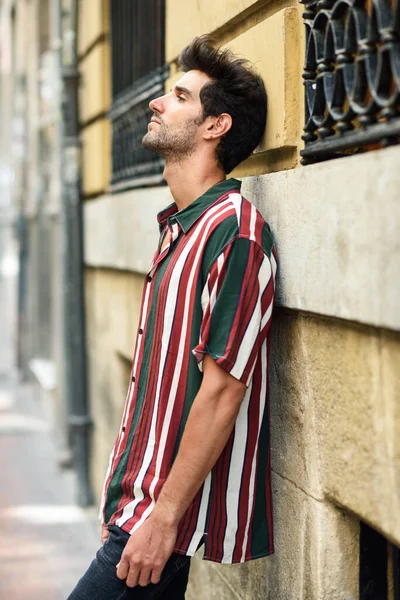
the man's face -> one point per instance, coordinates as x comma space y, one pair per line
175, 128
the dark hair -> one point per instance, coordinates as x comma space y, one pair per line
235, 89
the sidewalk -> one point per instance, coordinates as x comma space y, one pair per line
46, 541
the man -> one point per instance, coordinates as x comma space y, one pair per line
191, 463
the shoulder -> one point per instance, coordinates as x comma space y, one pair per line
242, 222
254, 227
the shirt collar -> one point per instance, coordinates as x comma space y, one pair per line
191, 213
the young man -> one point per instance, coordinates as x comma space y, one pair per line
191, 463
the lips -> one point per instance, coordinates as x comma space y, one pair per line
154, 120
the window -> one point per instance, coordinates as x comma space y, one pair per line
138, 75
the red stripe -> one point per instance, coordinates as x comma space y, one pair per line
252, 436
218, 515
246, 306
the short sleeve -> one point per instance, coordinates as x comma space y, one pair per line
237, 301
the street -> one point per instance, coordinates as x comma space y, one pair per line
46, 541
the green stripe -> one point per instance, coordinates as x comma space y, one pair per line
259, 532
217, 241
228, 299
267, 239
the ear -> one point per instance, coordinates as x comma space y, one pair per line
217, 126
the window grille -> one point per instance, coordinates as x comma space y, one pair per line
351, 76
138, 75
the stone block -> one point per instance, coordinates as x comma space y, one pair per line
335, 418
121, 231
336, 226
316, 556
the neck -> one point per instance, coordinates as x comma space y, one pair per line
190, 178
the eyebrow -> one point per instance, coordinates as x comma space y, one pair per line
183, 90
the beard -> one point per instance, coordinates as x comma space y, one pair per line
173, 144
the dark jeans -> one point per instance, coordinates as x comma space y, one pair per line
100, 581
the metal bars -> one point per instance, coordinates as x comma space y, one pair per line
137, 36
351, 76
138, 75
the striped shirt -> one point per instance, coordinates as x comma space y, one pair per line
208, 291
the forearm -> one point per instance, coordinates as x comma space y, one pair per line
209, 425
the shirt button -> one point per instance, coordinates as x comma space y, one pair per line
133, 379
149, 278
123, 429
140, 331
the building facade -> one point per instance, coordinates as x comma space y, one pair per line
326, 178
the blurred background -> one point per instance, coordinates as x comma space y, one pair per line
78, 204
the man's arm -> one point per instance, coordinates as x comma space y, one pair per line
209, 425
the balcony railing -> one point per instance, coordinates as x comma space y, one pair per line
352, 76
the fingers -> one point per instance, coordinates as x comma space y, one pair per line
132, 578
155, 576
136, 572
135, 575
105, 537
122, 569
144, 577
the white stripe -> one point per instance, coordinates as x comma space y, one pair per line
237, 201
253, 223
235, 476
138, 495
252, 491
205, 295
273, 263
253, 327
268, 312
213, 296
267, 315
201, 517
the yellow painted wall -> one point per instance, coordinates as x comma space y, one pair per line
95, 84
96, 152
93, 20
94, 94
185, 20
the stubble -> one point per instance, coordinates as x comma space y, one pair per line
173, 144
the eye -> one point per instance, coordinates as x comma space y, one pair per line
181, 98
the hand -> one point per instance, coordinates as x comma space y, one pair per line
147, 551
104, 533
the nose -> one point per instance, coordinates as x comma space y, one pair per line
156, 105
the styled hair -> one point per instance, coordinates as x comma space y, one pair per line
236, 89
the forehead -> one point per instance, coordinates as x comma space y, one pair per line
193, 81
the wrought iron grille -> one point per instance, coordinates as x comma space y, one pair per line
351, 76
138, 75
